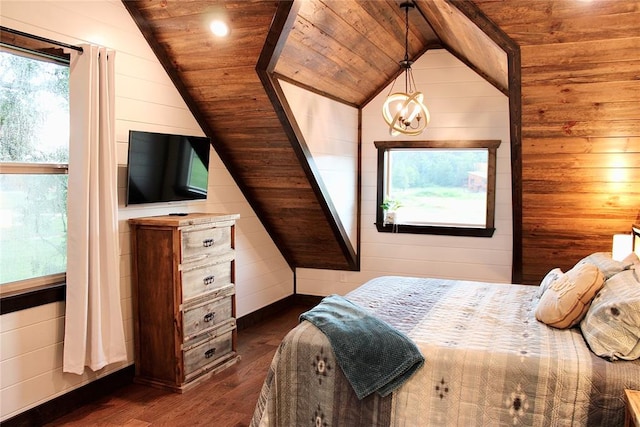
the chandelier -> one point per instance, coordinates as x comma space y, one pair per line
405, 112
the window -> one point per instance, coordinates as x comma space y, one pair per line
196, 173
34, 152
437, 187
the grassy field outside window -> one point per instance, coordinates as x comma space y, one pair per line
441, 187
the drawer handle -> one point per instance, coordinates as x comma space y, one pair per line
209, 280
209, 317
208, 243
209, 353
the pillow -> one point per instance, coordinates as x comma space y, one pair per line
567, 299
548, 279
605, 263
611, 326
632, 260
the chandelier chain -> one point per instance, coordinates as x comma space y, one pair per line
406, 33
406, 47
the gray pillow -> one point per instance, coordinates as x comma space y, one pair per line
548, 279
605, 263
611, 326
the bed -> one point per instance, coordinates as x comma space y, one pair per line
488, 361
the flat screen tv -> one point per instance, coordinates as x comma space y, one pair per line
166, 168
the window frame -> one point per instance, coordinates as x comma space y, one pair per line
33, 292
39, 283
487, 231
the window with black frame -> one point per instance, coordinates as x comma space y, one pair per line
437, 187
34, 155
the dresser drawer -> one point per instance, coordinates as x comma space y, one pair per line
212, 315
207, 352
205, 278
204, 242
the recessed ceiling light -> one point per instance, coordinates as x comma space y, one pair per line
219, 28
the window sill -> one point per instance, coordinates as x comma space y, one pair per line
32, 298
437, 230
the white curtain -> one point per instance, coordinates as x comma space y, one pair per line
94, 334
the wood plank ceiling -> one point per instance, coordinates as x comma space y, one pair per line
347, 50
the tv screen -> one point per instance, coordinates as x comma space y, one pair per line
166, 168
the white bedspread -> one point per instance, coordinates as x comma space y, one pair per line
488, 362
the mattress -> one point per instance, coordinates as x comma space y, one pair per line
488, 361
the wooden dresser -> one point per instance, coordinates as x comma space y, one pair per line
183, 297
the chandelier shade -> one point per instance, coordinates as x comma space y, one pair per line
405, 112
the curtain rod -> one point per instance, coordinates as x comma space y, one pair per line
42, 39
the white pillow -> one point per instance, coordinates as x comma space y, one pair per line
567, 299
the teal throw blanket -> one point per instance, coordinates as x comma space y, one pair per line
374, 356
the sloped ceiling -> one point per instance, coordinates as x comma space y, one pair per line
347, 50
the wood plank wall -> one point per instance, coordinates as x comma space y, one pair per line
580, 124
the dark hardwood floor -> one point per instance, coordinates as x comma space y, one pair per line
225, 400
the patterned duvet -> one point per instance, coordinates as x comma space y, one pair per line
488, 362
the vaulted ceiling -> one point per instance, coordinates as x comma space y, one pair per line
347, 50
